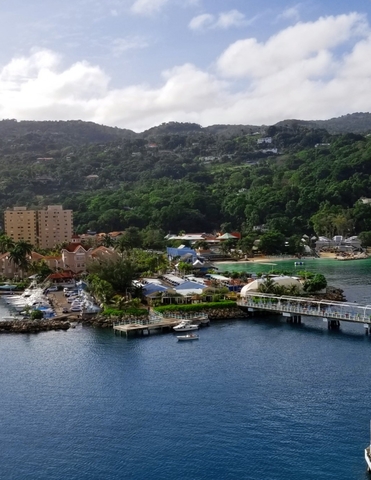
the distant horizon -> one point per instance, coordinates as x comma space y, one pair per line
183, 122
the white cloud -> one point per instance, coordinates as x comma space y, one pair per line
301, 72
201, 21
121, 45
224, 20
233, 18
291, 13
147, 7
249, 58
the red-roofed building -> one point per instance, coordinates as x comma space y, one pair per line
61, 278
75, 257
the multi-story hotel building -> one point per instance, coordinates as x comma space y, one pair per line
42, 228
21, 224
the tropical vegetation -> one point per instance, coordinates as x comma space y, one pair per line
181, 177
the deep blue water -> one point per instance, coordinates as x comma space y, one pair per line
253, 399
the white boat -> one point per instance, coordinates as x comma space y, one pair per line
368, 454
76, 306
11, 318
185, 326
202, 320
190, 336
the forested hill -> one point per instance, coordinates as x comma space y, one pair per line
351, 123
58, 134
52, 134
292, 178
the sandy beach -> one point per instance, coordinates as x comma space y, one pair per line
270, 259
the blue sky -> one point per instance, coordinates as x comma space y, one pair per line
138, 63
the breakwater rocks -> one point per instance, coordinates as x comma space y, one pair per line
96, 320
33, 326
332, 294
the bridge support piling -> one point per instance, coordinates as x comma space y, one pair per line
333, 324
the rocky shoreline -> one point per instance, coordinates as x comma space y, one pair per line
33, 326
101, 321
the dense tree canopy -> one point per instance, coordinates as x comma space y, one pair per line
181, 177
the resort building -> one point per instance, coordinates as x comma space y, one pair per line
75, 256
44, 228
8, 269
21, 224
54, 226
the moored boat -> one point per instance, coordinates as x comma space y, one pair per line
368, 458
185, 326
190, 336
368, 454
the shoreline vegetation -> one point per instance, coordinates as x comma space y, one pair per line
281, 258
277, 258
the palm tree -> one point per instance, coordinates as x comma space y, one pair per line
108, 241
268, 286
6, 243
119, 302
20, 254
40, 268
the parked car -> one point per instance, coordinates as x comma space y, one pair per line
71, 298
53, 288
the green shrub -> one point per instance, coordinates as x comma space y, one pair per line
37, 315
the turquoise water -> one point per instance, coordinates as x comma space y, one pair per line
354, 277
253, 399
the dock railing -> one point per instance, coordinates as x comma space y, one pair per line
157, 318
350, 312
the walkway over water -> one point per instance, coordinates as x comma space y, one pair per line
299, 306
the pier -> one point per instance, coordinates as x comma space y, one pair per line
154, 323
135, 329
293, 308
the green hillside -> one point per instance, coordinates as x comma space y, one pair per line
183, 177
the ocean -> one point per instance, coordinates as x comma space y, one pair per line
253, 399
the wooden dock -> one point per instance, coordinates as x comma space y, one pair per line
138, 329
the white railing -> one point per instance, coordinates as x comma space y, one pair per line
305, 306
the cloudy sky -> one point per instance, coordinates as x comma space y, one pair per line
138, 63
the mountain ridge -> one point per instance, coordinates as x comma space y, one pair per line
80, 132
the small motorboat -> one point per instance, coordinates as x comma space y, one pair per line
190, 336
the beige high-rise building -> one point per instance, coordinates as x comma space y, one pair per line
21, 224
54, 225
43, 228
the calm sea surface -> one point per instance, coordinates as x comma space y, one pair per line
256, 399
